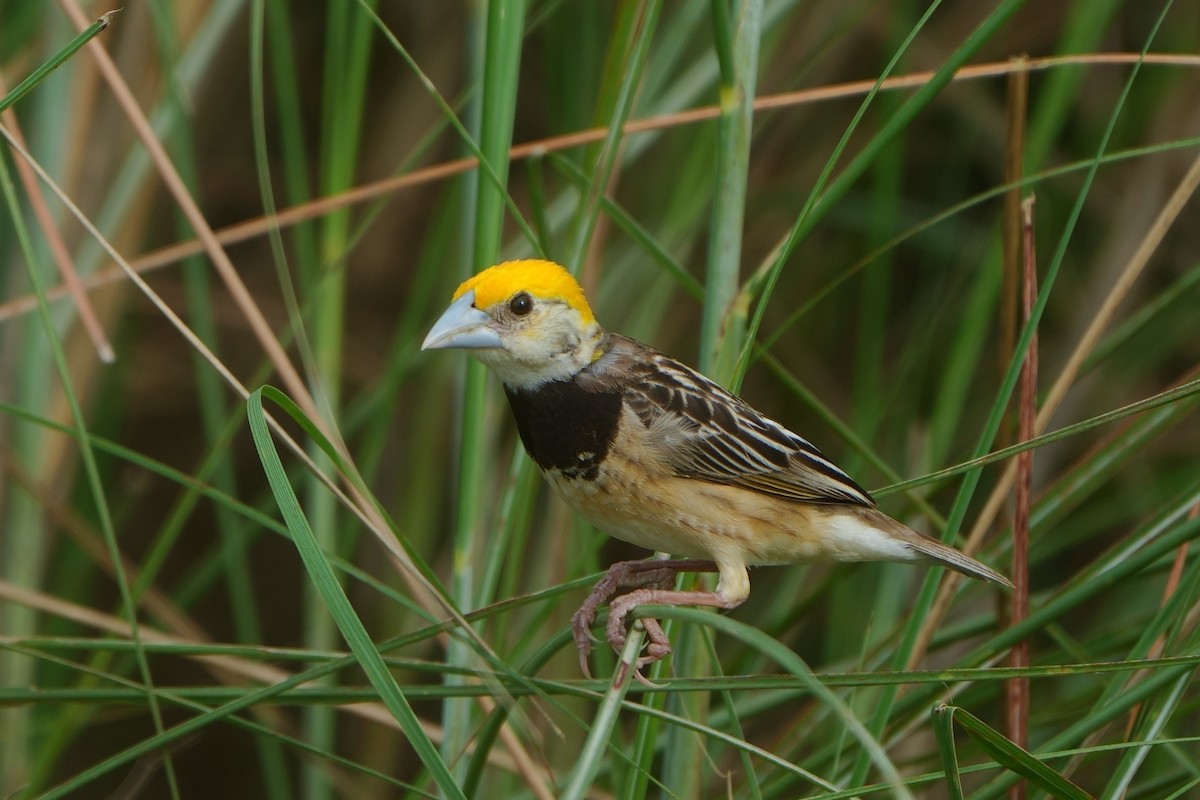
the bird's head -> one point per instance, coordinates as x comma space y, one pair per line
528, 321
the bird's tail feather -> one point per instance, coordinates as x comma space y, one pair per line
931, 549
947, 556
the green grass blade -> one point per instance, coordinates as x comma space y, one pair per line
724, 320
57, 60
592, 756
1180, 393
331, 591
627, 62
503, 38
784, 657
822, 198
1016, 758
943, 729
1157, 718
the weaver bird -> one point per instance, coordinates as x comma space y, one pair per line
652, 452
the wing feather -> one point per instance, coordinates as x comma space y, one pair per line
705, 432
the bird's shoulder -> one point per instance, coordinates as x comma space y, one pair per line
703, 431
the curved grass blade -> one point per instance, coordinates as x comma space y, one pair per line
414, 561
943, 729
786, 658
321, 572
1015, 758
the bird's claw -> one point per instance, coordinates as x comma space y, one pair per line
582, 620
657, 646
581, 625
581, 628
642, 577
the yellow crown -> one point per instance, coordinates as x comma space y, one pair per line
540, 278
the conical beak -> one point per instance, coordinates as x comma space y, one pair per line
462, 326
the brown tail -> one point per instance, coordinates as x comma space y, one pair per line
947, 556
933, 550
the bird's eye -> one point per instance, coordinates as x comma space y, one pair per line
521, 305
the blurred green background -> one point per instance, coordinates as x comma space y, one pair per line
870, 230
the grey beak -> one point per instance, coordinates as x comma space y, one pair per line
462, 327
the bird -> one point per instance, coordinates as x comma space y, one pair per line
654, 453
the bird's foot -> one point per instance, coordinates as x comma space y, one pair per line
637, 575
581, 625
657, 646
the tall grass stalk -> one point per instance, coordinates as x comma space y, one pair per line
503, 25
737, 34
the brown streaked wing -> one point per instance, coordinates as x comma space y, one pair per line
717, 437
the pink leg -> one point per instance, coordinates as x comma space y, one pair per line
657, 645
629, 575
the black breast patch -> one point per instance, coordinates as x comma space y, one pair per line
565, 426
